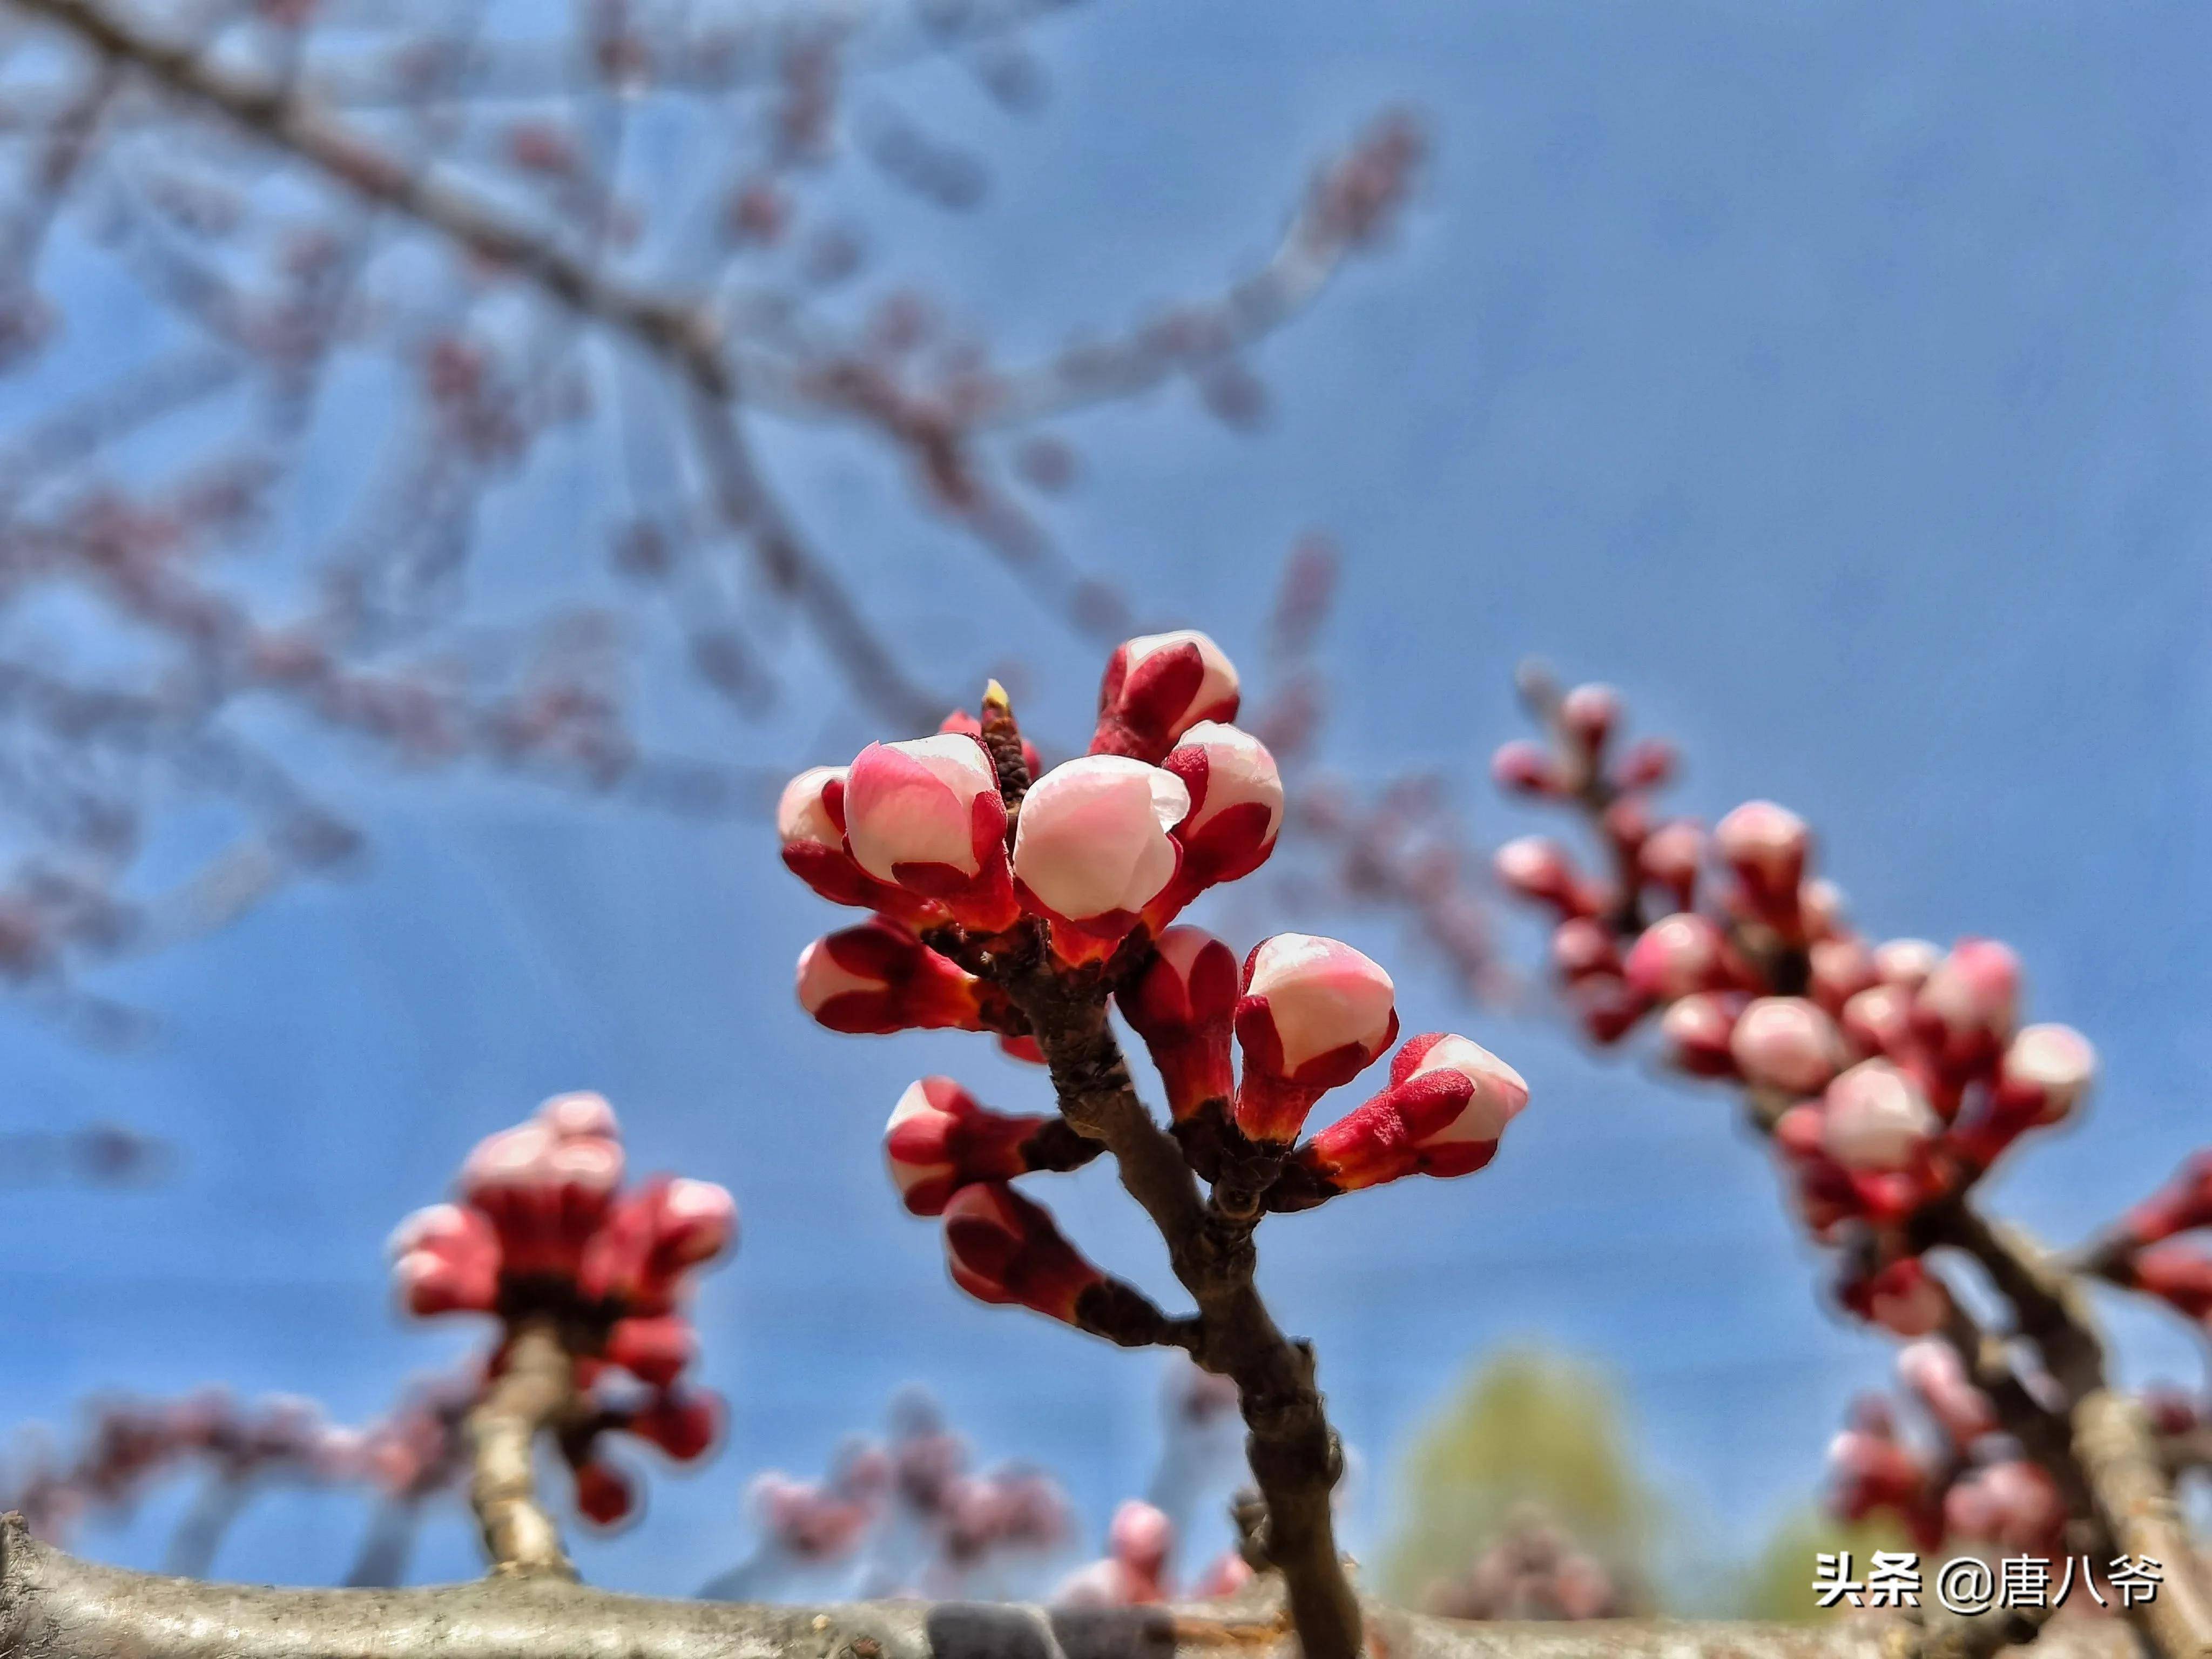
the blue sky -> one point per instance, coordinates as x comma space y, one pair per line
1832, 377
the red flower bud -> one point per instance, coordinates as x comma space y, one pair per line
546, 1185
1905, 962
1235, 804
810, 820
1184, 1005
2013, 1506
1157, 687
1524, 769
605, 1495
1315, 1013
1003, 1248
1903, 1297
1645, 764
1786, 1043
2182, 1205
1606, 1006
1697, 1028
1840, 969
683, 1425
1931, 1368
1671, 857
654, 1237
2044, 1072
1874, 1118
2178, 1275
1588, 715
1765, 846
925, 816
1092, 849
444, 1259
1677, 955
1582, 946
654, 1349
1449, 1101
1538, 867
1878, 1021
1966, 1009
1871, 1471
940, 1139
878, 978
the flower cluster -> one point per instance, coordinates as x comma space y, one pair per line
1890, 1074
1001, 887
1533, 1569
543, 1234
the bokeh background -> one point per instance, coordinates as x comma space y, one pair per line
1832, 377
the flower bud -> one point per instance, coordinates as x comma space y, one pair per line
2044, 1072
1588, 715
1671, 857
2182, 1205
444, 1259
1931, 1368
1003, 1248
2178, 1275
1966, 1009
1524, 769
810, 822
1696, 1029
1606, 1006
1766, 846
940, 1139
1878, 1021
1870, 1471
605, 1495
1675, 956
1315, 1013
1184, 1007
1449, 1101
1786, 1043
1236, 804
1645, 764
655, 1348
1582, 946
925, 816
1091, 849
2012, 1506
1903, 1297
545, 1191
1157, 687
878, 978
1905, 962
1838, 971
685, 1425
1821, 903
1537, 868
652, 1238
1874, 1118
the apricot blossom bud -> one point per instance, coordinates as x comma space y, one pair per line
1675, 956
1537, 868
1786, 1043
1696, 1029
1879, 1020
1236, 804
878, 978
605, 1495
1092, 848
1588, 714
940, 1139
444, 1259
2013, 1506
1314, 1014
1184, 1007
1670, 857
810, 821
1905, 962
1839, 969
1766, 846
2184, 1203
1645, 764
1931, 1368
684, 1425
2177, 1274
1157, 687
655, 1348
1581, 945
1903, 1296
1524, 767
2045, 1071
1873, 1118
925, 816
1449, 1102
1965, 1009
1003, 1248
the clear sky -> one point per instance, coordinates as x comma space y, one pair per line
1831, 376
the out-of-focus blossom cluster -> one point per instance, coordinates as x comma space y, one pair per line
983, 866
1533, 1569
541, 1233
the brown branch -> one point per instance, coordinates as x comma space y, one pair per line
52, 1607
530, 1397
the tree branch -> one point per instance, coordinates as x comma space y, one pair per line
536, 1391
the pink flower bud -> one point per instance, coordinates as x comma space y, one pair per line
878, 978
925, 816
1931, 1368
1696, 1029
1871, 1471
543, 1192
1449, 1102
1582, 946
2013, 1506
2177, 1274
1236, 804
1524, 769
1677, 955
683, 1425
1157, 686
1588, 715
940, 1139
1537, 868
1671, 857
1965, 1011
810, 821
1140, 1537
1003, 1248
1315, 1013
652, 1238
444, 1259
1839, 969
2182, 1205
1874, 1117
1606, 1006
656, 1348
1645, 764
1184, 1007
1766, 846
1822, 905
1786, 1043
1878, 1021
2044, 1072
1903, 1297
1092, 848
1905, 962
605, 1495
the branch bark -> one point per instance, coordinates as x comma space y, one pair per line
529, 1398
54, 1607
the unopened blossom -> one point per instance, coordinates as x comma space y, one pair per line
1236, 804
1183, 1005
1879, 1020
1538, 867
1677, 955
1645, 764
1965, 1009
1764, 846
1696, 1029
1931, 1368
605, 1496
1821, 907
810, 820
1906, 963
2012, 1506
1314, 1014
927, 815
1157, 687
1903, 1297
446, 1260
1449, 1102
1670, 857
2182, 1205
2177, 1274
2045, 1071
879, 977
1606, 1006
1786, 1043
1581, 946
1138, 1541
1001, 1248
1871, 1471
1092, 848
940, 1137
1524, 767
1874, 1117
1838, 971
1588, 715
